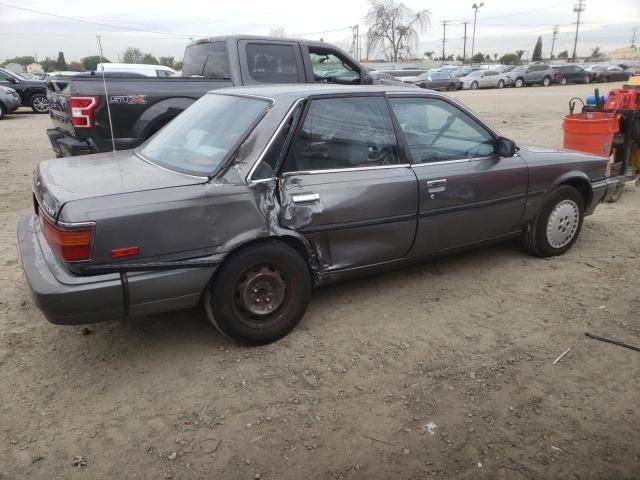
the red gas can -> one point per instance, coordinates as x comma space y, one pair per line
621, 99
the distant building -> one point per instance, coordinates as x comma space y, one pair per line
624, 53
15, 67
35, 68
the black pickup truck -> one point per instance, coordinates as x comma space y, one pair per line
140, 106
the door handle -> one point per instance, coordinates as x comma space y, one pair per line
305, 197
435, 186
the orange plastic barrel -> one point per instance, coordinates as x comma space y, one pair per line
590, 132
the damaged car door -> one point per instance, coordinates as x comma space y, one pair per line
346, 186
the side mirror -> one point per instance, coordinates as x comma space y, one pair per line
13, 80
505, 147
366, 79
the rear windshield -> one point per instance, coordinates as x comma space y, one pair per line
207, 60
200, 139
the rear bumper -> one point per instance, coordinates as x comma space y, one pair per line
68, 299
65, 145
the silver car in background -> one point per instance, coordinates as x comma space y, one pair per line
9, 101
484, 79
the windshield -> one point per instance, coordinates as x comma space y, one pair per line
199, 140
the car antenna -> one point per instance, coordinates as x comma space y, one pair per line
106, 94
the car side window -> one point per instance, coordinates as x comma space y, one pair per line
328, 67
437, 131
347, 132
272, 63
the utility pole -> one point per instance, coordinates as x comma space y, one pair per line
355, 42
444, 36
577, 8
476, 7
553, 40
464, 45
633, 37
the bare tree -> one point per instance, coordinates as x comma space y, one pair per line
278, 32
394, 27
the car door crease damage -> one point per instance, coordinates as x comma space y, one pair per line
316, 186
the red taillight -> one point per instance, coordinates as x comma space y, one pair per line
71, 244
125, 252
82, 111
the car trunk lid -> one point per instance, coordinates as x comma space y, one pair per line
59, 181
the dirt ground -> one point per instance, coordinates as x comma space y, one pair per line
443, 369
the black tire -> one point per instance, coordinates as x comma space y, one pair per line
2, 111
233, 302
519, 83
474, 85
563, 80
617, 193
39, 103
568, 202
451, 87
546, 81
500, 84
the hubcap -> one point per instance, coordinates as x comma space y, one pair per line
261, 290
40, 104
563, 223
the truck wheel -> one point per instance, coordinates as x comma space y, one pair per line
519, 83
1, 111
546, 81
39, 103
260, 294
558, 225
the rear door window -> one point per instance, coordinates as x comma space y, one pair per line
347, 132
272, 63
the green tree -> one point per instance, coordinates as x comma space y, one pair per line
596, 54
26, 60
563, 54
75, 67
495, 57
149, 59
537, 51
177, 66
91, 62
519, 53
48, 64
478, 58
61, 64
167, 62
429, 54
132, 55
510, 59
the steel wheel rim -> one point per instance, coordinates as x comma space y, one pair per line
519, 83
562, 225
260, 294
474, 85
41, 104
500, 84
563, 81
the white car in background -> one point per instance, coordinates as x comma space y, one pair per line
484, 79
143, 69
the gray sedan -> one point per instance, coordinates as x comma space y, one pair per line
9, 101
253, 196
484, 79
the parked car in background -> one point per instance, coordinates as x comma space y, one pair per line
9, 101
406, 75
503, 68
438, 81
484, 79
608, 73
571, 74
33, 93
246, 201
146, 70
527, 75
384, 78
463, 71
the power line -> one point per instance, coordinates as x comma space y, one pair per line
577, 8
101, 24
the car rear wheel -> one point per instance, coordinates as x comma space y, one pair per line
563, 80
558, 225
260, 294
546, 81
2, 112
501, 84
474, 85
586, 79
451, 87
519, 83
39, 103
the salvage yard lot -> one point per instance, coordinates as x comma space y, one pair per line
443, 369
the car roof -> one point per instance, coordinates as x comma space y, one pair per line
302, 90
224, 38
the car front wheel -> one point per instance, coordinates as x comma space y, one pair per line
501, 84
558, 225
474, 85
259, 294
519, 83
39, 103
546, 81
587, 79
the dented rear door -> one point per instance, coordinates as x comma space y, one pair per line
346, 187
